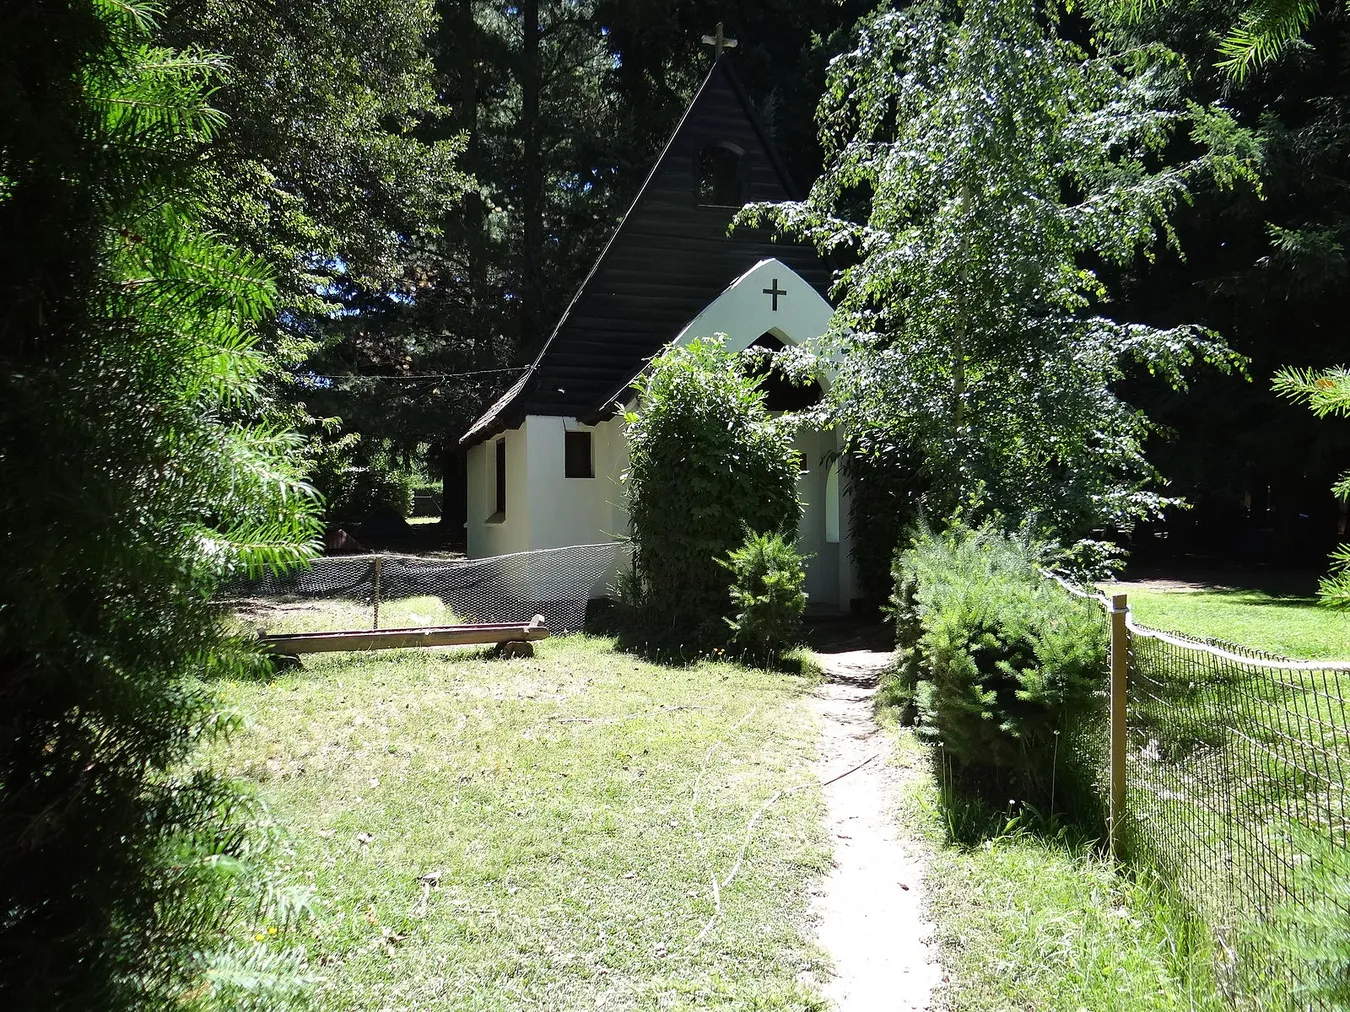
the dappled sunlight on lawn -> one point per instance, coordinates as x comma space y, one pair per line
543, 832
1291, 625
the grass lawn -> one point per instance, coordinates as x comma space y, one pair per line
1028, 924
1024, 922
1288, 625
1238, 772
542, 833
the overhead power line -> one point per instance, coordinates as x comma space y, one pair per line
399, 377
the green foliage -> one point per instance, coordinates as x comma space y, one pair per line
973, 172
706, 462
1003, 661
331, 164
767, 594
1312, 933
1262, 31
318, 165
138, 467
1325, 392
352, 483
1265, 272
885, 499
1028, 923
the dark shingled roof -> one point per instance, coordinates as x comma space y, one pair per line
669, 258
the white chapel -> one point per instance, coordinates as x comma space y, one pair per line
545, 463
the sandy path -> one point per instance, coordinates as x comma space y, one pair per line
870, 910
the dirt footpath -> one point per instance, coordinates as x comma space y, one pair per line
870, 909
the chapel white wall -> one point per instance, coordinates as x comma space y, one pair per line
484, 537
822, 568
576, 511
546, 509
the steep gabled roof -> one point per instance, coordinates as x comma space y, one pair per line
669, 258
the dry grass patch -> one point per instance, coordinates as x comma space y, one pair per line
542, 833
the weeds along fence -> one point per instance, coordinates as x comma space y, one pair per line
393, 591
1228, 782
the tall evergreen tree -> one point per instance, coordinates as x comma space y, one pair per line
782, 50
1266, 269
527, 84
333, 163
134, 474
1246, 35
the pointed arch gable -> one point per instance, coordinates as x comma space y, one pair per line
769, 298
668, 257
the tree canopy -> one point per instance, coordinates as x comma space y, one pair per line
978, 169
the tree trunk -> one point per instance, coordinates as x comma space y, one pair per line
531, 183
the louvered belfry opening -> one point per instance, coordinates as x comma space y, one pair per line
718, 176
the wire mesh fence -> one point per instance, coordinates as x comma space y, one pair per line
394, 591
1236, 797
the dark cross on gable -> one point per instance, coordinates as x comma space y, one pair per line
719, 42
775, 291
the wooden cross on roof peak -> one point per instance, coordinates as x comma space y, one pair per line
719, 42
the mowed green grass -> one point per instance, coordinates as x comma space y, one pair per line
1288, 625
1027, 922
541, 833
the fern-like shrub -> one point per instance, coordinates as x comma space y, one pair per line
1002, 662
706, 462
141, 464
1311, 933
767, 593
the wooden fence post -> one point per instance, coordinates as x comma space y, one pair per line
1120, 650
379, 564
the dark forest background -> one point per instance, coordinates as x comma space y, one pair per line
255, 249
462, 164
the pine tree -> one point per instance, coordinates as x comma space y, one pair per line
134, 476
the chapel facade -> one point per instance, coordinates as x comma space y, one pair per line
545, 462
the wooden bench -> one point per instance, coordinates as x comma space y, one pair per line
293, 644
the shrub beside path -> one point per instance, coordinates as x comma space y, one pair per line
870, 909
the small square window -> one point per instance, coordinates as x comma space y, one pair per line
577, 455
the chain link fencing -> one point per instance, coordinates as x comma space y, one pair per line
1234, 795
396, 591
1236, 798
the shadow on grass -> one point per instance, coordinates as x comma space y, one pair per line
265, 668
796, 661
1255, 598
977, 806
1274, 583
969, 822
649, 642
